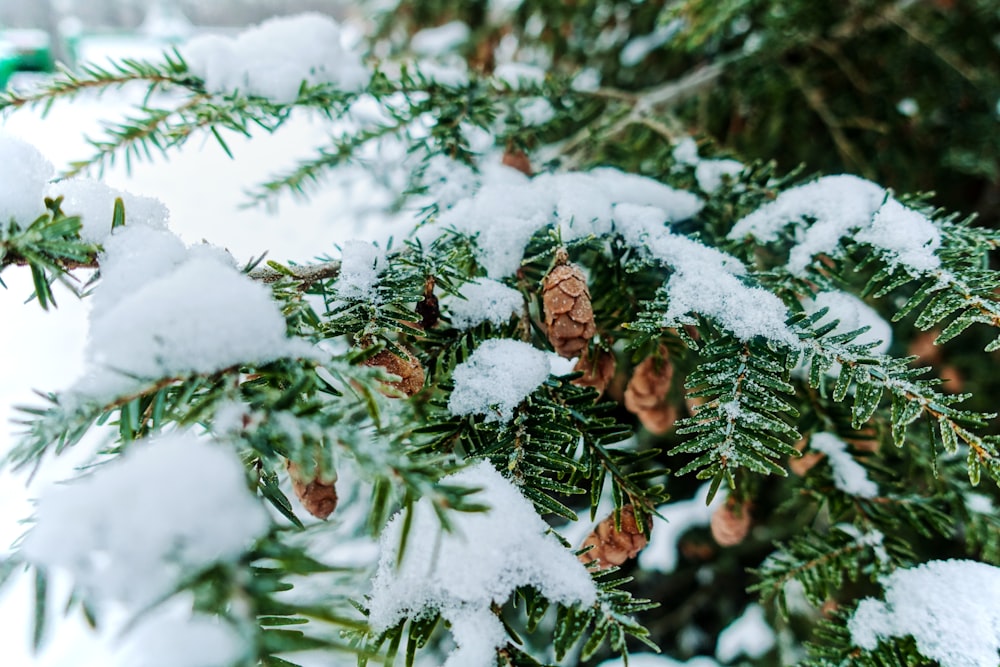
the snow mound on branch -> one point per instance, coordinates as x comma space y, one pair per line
481, 561
137, 527
163, 310
505, 212
947, 606
828, 209
705, 280
94, 202
484, 300
496, 378
24, 175
273, 59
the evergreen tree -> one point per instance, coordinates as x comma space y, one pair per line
568, 404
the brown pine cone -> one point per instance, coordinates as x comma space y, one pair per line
318, 495
646, 393
730, 523
613, 546
597, 374
409, 370
517, 159
569, 316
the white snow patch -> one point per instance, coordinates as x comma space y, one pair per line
848, 475
136, 527
173, 636
519, 75
201, 317
748, 635
852, 314
535, 111
711, 174
24, 175
273, 59
481, 561
637, 48
681, 516
485, 301
360, 265
947, 606
439, 40
496, 378
94, 202
828, 209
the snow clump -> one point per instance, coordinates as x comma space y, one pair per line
484, 300
275, 58
137, 527
24, 175
947, 606
496, 378
461, 573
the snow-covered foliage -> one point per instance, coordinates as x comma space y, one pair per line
496, 378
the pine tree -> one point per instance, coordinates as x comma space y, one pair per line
618, 391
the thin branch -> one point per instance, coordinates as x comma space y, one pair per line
307, 274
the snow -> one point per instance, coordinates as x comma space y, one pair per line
496, 378
828, 209
24, 174
535, 111
653, 660
705, 280
852, 314
748, 635
947, 606
484, 300
481, 561
680, 517
507, 210
439, 40
360, 265
173, 636
711, 174
848, 475
273, 59
451, 73
201, 317
519, 75
187, 508
637, 48
94, 202
132, 257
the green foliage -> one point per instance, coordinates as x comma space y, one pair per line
794, 81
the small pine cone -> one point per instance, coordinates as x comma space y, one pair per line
597, 374
517, 159
409, 370
569, 316
646, 393
318, 495
613, 546
730, 523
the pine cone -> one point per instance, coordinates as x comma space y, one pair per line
646, 393
318, 496
731, 523
517, 159
613, 546
409, 370
569, 316
596, 374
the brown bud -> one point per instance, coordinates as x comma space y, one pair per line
409, 370
730, 523
646, 393
598, 373
569, 316
954, 381
318, 495
613, 546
